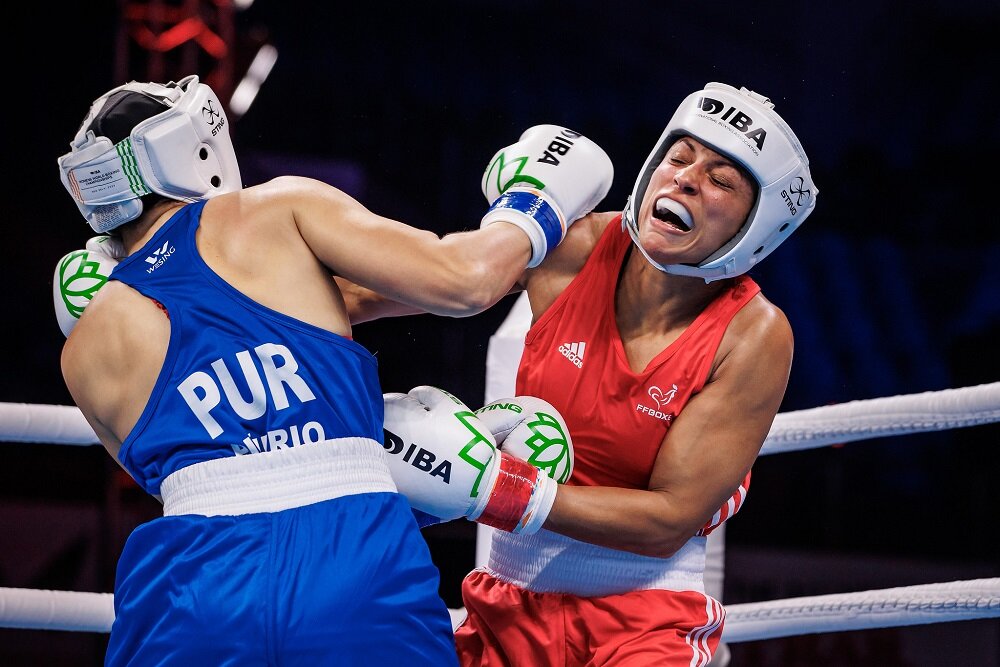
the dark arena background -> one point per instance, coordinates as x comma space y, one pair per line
892, 286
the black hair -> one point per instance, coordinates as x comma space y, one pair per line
121, 112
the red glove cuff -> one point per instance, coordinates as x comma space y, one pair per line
511, 494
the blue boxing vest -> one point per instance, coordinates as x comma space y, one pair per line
238, 378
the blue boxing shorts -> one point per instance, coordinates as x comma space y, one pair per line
341, 581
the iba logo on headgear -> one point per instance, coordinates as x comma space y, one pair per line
738, 119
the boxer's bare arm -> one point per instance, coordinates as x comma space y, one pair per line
707, 453
458, 274
112, 358
547, 280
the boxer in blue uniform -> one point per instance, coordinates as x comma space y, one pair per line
216, 365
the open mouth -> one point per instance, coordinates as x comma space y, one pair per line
672, 213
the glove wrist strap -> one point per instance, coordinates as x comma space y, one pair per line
528, 206
510, 504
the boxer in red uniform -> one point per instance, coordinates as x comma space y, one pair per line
668, 366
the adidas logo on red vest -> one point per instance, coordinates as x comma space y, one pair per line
573, 352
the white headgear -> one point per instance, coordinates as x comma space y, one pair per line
173, 140
743, 126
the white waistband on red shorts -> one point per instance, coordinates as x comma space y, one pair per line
547, 562
278, 479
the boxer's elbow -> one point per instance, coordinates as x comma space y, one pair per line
661, 543
473, 275
482, 286
469, 287
666, 533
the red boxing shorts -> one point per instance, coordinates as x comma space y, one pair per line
508, 625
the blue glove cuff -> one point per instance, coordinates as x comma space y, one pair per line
536, 208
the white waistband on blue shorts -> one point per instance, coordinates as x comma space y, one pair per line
547, 562
278, 479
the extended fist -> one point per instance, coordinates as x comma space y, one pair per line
543, 183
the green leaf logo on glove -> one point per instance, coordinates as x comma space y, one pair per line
505, 178
79, 279
478, 451
549, 447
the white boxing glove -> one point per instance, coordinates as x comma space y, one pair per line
533, 430
446, 463
550, 178
78, 276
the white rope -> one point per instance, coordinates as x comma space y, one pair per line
803, 429
890, 607
800, 429
57, 424
879, 417
56, 610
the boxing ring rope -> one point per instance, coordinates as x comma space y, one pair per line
881, 417
52, 424
889, 607
791, 431
32, 609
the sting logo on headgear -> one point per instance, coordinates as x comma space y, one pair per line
802, 194
141, 138
210, 115
209, 112
738, 119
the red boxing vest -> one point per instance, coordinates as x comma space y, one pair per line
574, 358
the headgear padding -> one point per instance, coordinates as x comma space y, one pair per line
141, 138
743, 126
